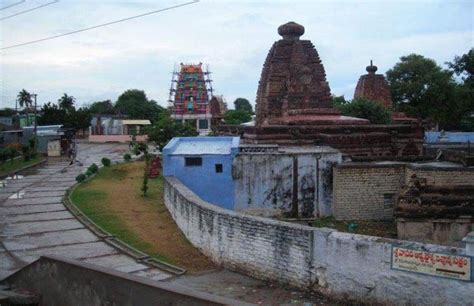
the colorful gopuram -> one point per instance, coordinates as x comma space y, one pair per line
294, 107
189, 96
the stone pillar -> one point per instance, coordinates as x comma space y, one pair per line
469, 240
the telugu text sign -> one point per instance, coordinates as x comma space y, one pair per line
436, 264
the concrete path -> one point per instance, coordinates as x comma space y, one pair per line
34, 222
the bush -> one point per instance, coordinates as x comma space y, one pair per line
81, 177
26, 150
127, 157
93, 168
367, 109
7, 153
89, 172
106, 162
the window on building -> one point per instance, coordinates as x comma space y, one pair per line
388, 200
193, 161
203, 124
219, 168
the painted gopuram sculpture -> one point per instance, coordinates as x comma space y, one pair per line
294, 107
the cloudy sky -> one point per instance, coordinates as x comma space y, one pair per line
233, 37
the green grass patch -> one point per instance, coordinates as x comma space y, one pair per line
12, 166
92, 202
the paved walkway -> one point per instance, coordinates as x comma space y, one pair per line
34, 222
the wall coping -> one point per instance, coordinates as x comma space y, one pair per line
329, 232
411, 166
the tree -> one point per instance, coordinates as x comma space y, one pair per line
66, 102
463, 66
243, 104
51, 114
102, 107
7, 112
237, 116
25, 100
423, 89
79, 119
135, 103
165, 128
363, 108
339, 100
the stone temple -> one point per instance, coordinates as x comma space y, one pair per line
374, 87
294, 107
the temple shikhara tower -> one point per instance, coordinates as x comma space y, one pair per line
189, 99
294, 106
374, 87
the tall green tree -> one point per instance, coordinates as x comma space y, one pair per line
243, 104
102, 107
463, 67
423, 89
25, 100
135, 104
165, 128
66, 102
51, 114
237, 116
375, 112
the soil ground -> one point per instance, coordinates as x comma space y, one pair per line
114, 200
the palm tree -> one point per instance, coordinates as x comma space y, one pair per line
66, 102
24, 99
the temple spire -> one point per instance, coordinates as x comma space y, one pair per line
371, 69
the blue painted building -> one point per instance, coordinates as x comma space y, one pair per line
449, 137
204, 165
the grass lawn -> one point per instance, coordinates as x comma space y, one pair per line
12, 166
386, 229
114, 201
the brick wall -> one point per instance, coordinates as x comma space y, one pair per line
359, 191
443, 176
362, 191
342, 265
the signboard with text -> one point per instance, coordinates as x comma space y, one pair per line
435, 264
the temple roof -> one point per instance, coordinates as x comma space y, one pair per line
374, 87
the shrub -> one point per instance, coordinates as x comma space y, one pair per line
7, 153
81, 177
26, 150
127, 157
106, 162
93, 168
89, 172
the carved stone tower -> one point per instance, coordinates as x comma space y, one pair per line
293, 84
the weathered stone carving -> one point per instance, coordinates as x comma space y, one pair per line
374, 87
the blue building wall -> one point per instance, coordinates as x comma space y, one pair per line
213, 187
460, 137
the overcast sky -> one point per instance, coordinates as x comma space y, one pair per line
233, 37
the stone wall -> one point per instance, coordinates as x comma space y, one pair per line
61, 281
443, 176
366, 192
269, 184
342, 265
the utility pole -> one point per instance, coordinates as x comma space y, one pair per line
36, 125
